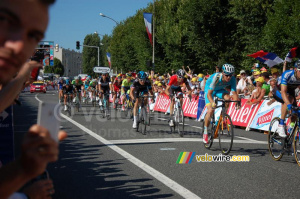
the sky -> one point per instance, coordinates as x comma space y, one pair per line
72, 20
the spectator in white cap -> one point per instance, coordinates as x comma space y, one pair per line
242, 82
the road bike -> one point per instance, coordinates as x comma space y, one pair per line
76, 100
142, 115
104, 106
222, 128
278, 145
128, 107
68, 103
178, 115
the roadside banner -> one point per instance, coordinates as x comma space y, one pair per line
190, 107
162, 103
201, 104
244, 115
265, 114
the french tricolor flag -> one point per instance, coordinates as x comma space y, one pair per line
148, 24
294, 52
270, 59
108, 59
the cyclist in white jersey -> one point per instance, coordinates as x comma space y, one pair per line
285, 94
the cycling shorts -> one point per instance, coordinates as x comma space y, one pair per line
218, 93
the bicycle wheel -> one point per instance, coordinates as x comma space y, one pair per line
143, 120
148, 114
173, 128
180, 121
275, 142
226, 134
296, 146
210, 132
107, 110
138, 122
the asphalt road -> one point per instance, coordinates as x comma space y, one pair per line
108, 159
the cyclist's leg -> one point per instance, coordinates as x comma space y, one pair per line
135, 109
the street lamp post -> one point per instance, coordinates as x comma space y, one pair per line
103, 15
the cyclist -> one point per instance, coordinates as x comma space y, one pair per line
77, 83
141, 86
126, 83
285, 94
104, 86
174, 85
216, 85
116, 88
92, 88
60, 85
86, 86
67, 90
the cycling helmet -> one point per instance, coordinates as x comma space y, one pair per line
180, 73
128, 75
79, 77
67, 82
297, 64
142, 75
228, 69
76, 78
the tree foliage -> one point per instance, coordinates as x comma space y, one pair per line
202, 34
57, 68
89, 54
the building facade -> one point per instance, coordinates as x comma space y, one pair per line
71, 60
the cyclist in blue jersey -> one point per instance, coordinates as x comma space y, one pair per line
285, 94
216, 87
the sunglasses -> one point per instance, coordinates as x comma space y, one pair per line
228, 75
180, 77
142, 80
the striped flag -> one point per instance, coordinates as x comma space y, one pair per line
294, 52
185, 157
108, 59
148, 24
270, 59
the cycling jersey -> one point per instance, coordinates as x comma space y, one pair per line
78, 85
287, 78
92, 84
104, 84
215, 83
126, 84
143, 89
68, 90
117, 86
86, 84
174, 82
60, 85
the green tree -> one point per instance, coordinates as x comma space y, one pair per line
90, 55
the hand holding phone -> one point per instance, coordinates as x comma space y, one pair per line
48, 119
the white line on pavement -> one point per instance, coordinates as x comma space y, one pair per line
162, 140
37, 98
151, 171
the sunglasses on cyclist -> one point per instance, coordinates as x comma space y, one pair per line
142, 80
180, 77
228, 75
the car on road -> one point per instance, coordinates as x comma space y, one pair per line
37, 87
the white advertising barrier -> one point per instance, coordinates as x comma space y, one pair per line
265, 114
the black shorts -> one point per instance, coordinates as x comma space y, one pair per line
105, 89
138, 92
278, 97
173, 90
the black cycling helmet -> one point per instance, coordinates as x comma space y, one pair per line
180, 73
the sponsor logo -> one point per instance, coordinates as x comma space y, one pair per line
266, 118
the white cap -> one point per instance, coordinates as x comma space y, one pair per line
242, 71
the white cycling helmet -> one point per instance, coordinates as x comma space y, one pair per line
76, 78
228, 69
180, 73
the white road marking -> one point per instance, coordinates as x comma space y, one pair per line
167, 149
37, 98
162, 140
185, 193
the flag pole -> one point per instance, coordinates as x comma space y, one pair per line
153, 67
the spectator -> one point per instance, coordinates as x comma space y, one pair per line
20, 32
275, 73
242, 83
266, 77
258, 93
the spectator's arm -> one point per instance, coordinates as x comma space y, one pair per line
38, 149
284, 66
260, 97
10, 91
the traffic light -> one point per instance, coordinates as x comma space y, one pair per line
77, 45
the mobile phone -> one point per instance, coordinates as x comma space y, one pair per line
48, 117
